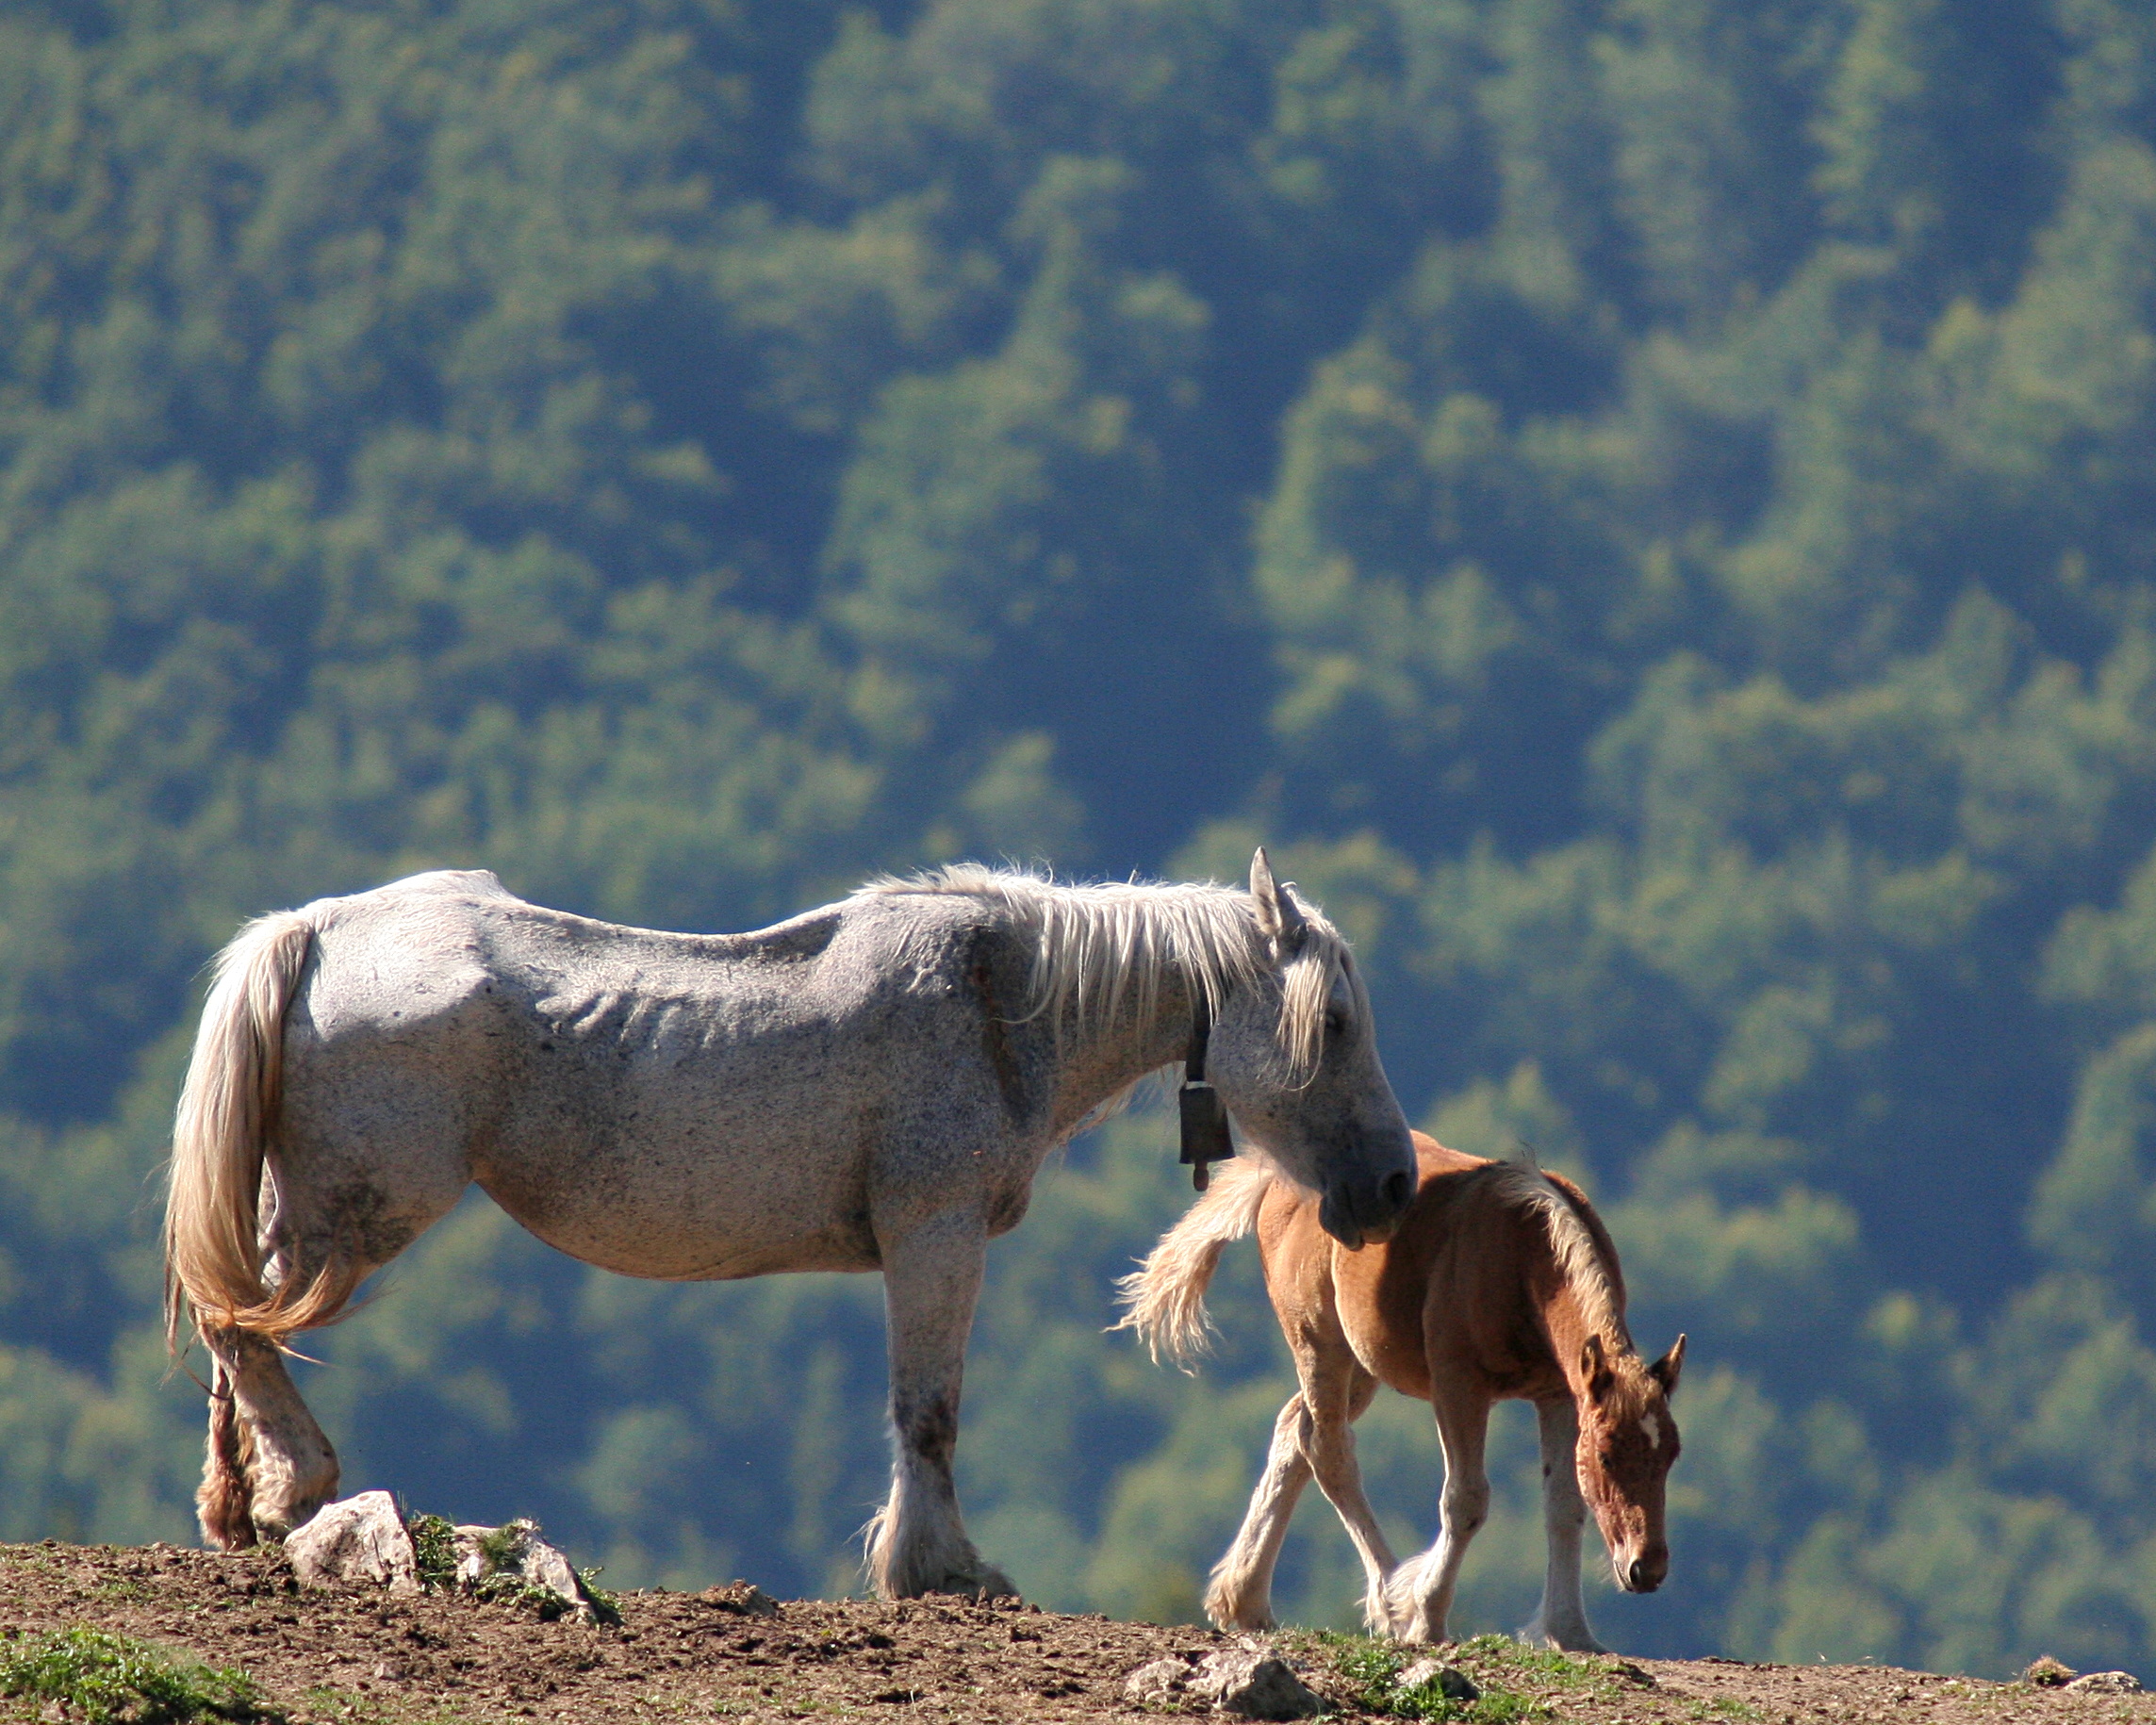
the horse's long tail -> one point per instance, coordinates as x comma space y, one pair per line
1165, 1299
213, 1249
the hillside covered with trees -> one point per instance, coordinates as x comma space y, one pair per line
1649, 506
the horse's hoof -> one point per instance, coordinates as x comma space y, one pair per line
1581, 1641
984, 1582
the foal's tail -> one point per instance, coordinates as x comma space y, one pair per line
1164, 1300
213, 1250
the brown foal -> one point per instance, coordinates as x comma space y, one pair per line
1500, 1283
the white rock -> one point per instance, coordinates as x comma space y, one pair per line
1254, 1683
2107, 1683
1161, 1682
357, 1539
1453, 1684
516, 1551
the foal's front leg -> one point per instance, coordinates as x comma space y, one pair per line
931, 1279
1241, 1593
1560, 1620
1339, 1392
1421, 1597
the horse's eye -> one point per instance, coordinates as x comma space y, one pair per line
1336, 1023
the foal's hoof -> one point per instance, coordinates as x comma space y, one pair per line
1231, 1615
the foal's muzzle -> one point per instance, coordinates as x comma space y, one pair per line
1646, 1572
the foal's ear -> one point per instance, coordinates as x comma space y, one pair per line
1594, 1368
1279, 917
1664, 1370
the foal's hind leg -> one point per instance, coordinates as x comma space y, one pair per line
931, 1279
1421, 1595
269, 1467
1241, 1594
1560, 1620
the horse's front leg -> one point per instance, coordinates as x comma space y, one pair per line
1560, 1620
1421, 1597
931, 1279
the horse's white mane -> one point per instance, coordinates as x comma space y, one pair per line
1580, 1260
1102, 950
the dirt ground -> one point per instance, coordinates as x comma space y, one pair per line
353, 1658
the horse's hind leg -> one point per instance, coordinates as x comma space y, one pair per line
931, 1279
1241, 1594
1560, 1620
328, 1204
269, 1467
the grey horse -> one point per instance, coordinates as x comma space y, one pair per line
869, 1086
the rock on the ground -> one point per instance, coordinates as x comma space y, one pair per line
358, 1540
1249, 1681
2107, 1683
1161, 1683
515, 1553
1453, 1684
744, 1599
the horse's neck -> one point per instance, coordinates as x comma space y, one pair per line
1098, 1063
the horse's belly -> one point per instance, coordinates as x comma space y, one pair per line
701, 1250
686, 1208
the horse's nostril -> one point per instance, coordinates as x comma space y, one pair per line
1644, 1576
1398, 1189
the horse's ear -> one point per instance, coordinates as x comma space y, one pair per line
1666, 1370
1594, 1368
1279, 917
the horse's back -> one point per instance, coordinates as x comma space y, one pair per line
661, 1104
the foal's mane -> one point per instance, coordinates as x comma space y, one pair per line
1580, 1257
1102, 950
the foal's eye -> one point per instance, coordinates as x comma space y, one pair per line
1336, 1023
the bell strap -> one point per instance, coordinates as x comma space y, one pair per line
1206, 1138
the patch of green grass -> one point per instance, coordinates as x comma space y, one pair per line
1371, 1670
501, 1547
1542, 1667
433, 1543
111, 1680
607, 1606
504, 1588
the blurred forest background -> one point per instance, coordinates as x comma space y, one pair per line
1648, 505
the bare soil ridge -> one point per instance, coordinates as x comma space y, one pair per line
349, 1658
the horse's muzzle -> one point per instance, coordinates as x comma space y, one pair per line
1646, 1572
1363, 1210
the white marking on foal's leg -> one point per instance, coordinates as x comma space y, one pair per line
917, 1543
1560, 1620
1240, 1596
